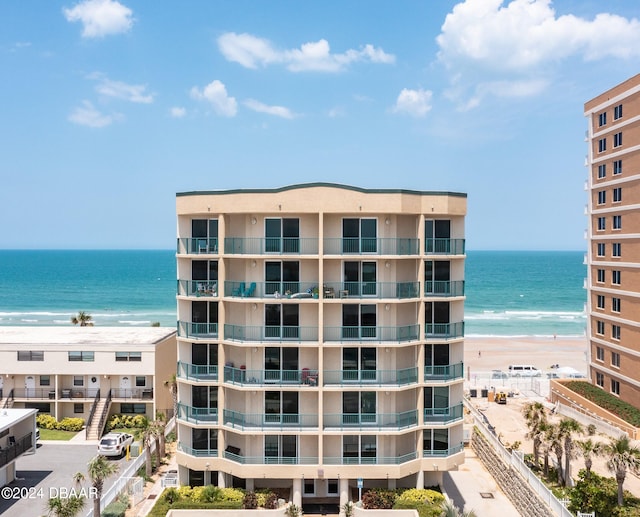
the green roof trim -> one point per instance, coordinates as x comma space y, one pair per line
320, 184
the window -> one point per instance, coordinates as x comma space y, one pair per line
138, 409
283, 446
600, 301
615, 304
617, 139
435, 440
332, 487
204, 276
615, 359
360, 278
600, 331
601, 251
204, 233
617, 249
309, 487
615, 332
282, 321
437, 235
600, 353
602, 170
617, 222
78, 380
78, 408
617, 167
615, 387
358, 407
358, 363
602, 119
281, 363
30, 355
617, 112
45, 380
600, 379
358, 446
141, 381
437, 277
617, 194
129, 356
602, 223
615, 277
359, 235
602, 145
281, 407
282, 277
602, 197
81, 356
601, 276
204, 318
282, 235
358, 321
204, 439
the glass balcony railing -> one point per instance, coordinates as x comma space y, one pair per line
443, 288
270, 421
197, 415
370, 460
371, 377
370, 246
198, 453
438, 453
16, 449
197, 246
444, 330
442, 415
444, 246
390, 290
271, 290
271, 460
243, 377
192, 329
198, 372
445, 372
371, 420
270, 246
397, 334
275, 334
198, 288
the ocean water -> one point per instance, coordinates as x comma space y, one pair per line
508, 293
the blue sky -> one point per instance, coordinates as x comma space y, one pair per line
108, 108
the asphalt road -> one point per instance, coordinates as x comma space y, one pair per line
47, 473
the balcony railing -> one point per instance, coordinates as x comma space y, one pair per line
397, 334
18, 448
198, 372
132, 393
371, 420
270, 290
443, 415
443, 372
197, 415
198, 288
270, 421
198, 453
371, 377
444, 246
435, 453
444, 330
370, 460
370, 246
197, 245
270, 246
391, 290
274, 334
34, 393
197, 330
271, 460
444, 288
241, 376
74, 393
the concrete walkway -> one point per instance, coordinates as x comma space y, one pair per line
153, 493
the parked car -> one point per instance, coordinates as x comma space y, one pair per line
524, 370
114, 444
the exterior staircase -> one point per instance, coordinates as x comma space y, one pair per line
98, 417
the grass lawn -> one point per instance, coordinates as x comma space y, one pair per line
54, 434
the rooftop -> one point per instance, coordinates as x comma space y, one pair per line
83, 335
11, 416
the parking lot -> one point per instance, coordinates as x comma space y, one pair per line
44, 473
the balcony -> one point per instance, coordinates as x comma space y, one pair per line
372, 246
270, 421
443, 415
379, 290
444, 330
444, 246
446, 372
197, 453
442, 288
198, 372
192, 329
270, 246
400, 377
436, 453
271, 334
386, 421
34, 393
270, 290
370, 460
18, 448
73, 393
197, 415
135, 393
198, 288
244, 377
197, 246
271, 460
399, 334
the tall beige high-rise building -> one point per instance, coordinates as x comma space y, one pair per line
320, 338
613, 257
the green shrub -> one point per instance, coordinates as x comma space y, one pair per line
606, 401
116, 508
250, 501
171, 495
423, 509
420, 495
127, 422
600, 495
71, 424
378, 499
45, 421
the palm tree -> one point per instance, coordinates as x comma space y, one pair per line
546, 441
535, 415
99, 469
566, 428
588, 450
450, 510
172, 384
83, 319
67, 506
623, 457
147, 439
557, 446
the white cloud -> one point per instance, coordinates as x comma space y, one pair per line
278, 111
177, 112
216, 94
88, 115
511, 48
100, 17
416, 103
253, 52
119, 90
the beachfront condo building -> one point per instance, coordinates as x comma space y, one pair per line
320, 339
613, 256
